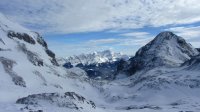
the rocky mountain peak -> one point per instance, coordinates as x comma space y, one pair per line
166, 49
166, 35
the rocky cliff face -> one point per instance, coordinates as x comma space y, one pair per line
166, 49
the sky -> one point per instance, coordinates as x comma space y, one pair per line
73, 27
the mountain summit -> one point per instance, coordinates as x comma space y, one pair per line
166, 49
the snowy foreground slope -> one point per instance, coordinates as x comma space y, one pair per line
32, 81
28, 67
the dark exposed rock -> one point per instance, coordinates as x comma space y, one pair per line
54, 62
121, 65
40, 76
135, 107
198, 49
21, 36
191, 83
1, 49
68, 65
100, 71
1, 40
8, 65
177, 103
52, 55
67, 100
32, 57
41, 41
58, 86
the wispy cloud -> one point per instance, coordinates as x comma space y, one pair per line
190, 33
187, 32
128, 45
122, 18
103, 41
136, 34
69, 16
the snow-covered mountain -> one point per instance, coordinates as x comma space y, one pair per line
166, 49
32, 81
96, 58
166, 78
98, 65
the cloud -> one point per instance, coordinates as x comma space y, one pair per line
135, 34
135, 42
127, 45
103, 41
186, 32
66, 50
74, 16
126, 39
70, 16
190, 33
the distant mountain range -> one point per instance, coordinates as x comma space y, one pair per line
98, 65
96, 58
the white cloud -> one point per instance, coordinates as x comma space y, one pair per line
127, 45
65, 50
68, 16
190, 33
186, 32
126, 39
103, 41
195, 44
135, 42
136, 34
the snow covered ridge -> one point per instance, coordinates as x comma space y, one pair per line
28, 67
70, 100
96, 57
166, 49
27, 41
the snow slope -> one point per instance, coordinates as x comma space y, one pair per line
28, 67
